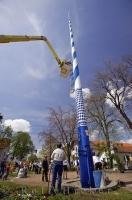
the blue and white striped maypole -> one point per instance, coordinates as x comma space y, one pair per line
85, 157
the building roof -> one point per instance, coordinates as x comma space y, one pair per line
123, 147
120, 147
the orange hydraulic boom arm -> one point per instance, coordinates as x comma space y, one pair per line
65, 66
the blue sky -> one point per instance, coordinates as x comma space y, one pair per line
29, 76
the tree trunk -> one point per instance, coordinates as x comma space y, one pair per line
109, 154
108, 146
129, 122
69, 156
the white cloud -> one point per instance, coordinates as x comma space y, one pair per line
113, 92
94, 135
123, 135
18, 125
127, 141
72, 94
35, 22
35, 73
121, 130
129, 94
41, 72
120, 93
109, 102
86, 93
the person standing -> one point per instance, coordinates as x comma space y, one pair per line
77, 168
58, 156
65, 169
39, 167
6, 171
45, 169
3, 167
96, 161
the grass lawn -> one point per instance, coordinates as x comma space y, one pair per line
119, 194
13, 191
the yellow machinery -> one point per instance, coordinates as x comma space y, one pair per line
65, 66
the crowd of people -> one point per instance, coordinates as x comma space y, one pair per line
57, 167
21, 168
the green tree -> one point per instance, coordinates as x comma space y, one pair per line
7, 132
32, 158
21, 145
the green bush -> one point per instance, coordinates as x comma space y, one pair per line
119, 162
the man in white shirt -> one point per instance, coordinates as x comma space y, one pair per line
58, 156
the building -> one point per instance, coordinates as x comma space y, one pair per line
124, 151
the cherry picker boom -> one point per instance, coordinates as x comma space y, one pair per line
65, 66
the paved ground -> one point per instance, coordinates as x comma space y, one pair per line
125, 177
35, 179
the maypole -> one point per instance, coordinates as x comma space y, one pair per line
84, 151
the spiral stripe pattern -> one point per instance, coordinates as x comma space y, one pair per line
81, 119
85, 157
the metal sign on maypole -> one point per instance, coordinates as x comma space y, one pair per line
84, 151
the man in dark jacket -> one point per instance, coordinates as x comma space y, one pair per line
45, 169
